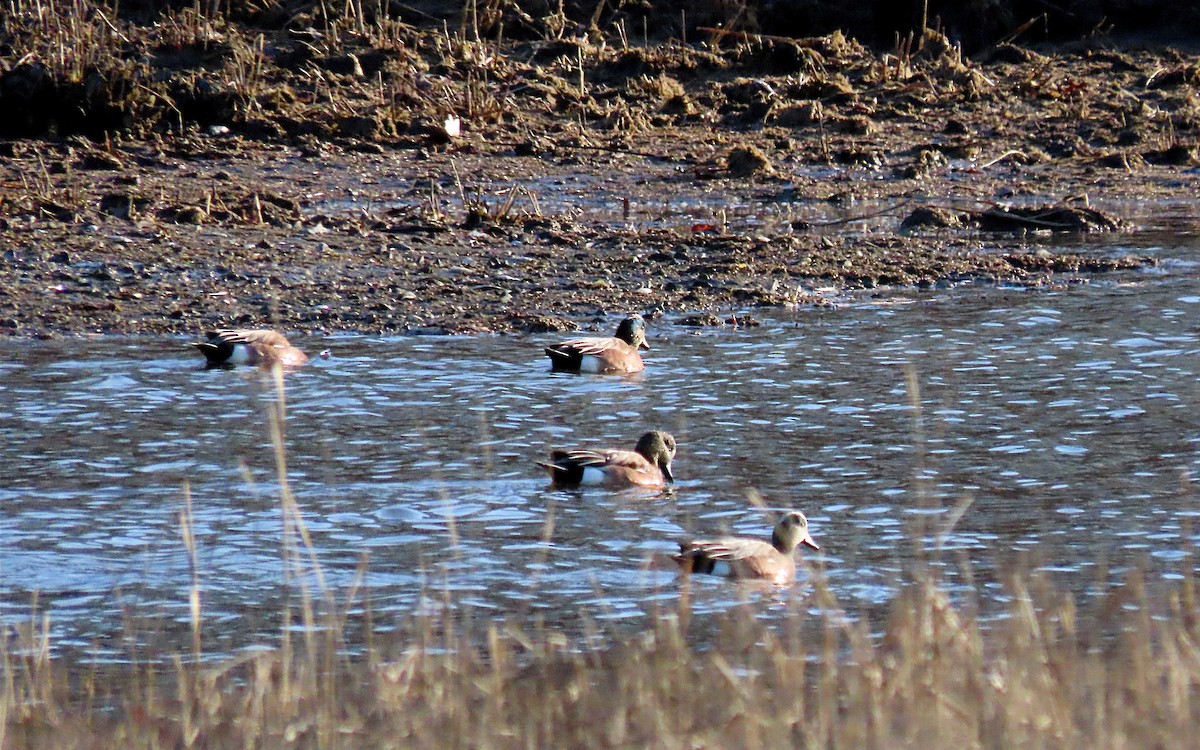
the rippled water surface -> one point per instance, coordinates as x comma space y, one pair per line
1065, 422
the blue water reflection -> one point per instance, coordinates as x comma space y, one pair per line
1063, 421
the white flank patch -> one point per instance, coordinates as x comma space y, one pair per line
722, 568
592, 475
241, 355
589, 364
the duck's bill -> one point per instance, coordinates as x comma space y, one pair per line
808, 542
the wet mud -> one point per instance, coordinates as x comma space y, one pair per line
404, 179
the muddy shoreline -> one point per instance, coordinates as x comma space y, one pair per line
373, 215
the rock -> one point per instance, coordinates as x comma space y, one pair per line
1046, 218
931, 217
748, 161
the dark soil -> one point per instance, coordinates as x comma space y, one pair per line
196, 173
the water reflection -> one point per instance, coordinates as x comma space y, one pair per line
1063, 421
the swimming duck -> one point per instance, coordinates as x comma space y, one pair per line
250, 347
736, 557
647, 465
603, 355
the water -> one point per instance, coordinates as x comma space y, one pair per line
665, 196
1064, 421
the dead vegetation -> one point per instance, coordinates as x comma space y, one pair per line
390, 76
1118, 673
179, 128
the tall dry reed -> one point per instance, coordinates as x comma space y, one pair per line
1121, 673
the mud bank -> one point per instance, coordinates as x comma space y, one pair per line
399, 178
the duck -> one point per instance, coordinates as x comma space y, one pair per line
615, 355
648, 465
244, 346
741, 558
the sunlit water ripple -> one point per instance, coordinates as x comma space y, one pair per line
1064, 422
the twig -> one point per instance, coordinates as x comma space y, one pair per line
998, 159
746, 36
860, 217
610, 149
1019, 31
109, 24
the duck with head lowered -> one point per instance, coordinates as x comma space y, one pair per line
245, 346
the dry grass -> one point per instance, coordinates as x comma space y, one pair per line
1043, 675
70, 38
931, 674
